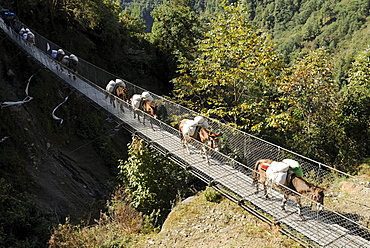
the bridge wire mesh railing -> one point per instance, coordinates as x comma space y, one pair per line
247, 147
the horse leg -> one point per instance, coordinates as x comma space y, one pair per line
136, 114
265, 191
121, 107
182, 138
119, 104
112, 101
187, 145
299, 206
144, 119
204, 150
151, 123
257, 189
285, 198
256, 183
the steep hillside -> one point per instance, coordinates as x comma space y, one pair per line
297, 27
66, 170
199, 223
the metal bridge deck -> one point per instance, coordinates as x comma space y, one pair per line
316, 227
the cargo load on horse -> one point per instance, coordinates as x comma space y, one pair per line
277, 172
73, 62
190, 126
60, 55
294, 166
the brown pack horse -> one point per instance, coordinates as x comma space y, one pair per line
294, 184
117, 90
122, 92
147, 107
203, 136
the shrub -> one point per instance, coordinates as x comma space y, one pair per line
113, 228
212, 195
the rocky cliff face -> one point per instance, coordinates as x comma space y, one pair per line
61, 170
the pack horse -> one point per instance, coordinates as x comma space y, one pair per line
144, 102
197, 129
287, 178
117, 89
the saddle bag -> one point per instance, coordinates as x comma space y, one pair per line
276, 177
279, 167
295, 167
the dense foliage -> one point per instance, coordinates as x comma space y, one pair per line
153, 182
309, 103
301, 26
21, 223
175, 27
233, 72
239, 76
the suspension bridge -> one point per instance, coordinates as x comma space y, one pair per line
328, 228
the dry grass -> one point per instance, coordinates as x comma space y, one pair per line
195, 222
199, 223
116, 228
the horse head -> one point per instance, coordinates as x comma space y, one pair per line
151, 108
215, 140
317, 195
212, 138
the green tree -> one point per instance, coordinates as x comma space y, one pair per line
233, 74
21, 223
152, 181
310, 95
175, 27
355, 107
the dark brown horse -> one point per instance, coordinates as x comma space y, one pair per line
146, 106
201, 134
294, 184
117, 90
122, 92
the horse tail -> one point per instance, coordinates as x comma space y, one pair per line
256, 175
180, 127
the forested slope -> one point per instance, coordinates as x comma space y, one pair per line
296, 26
300, 26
